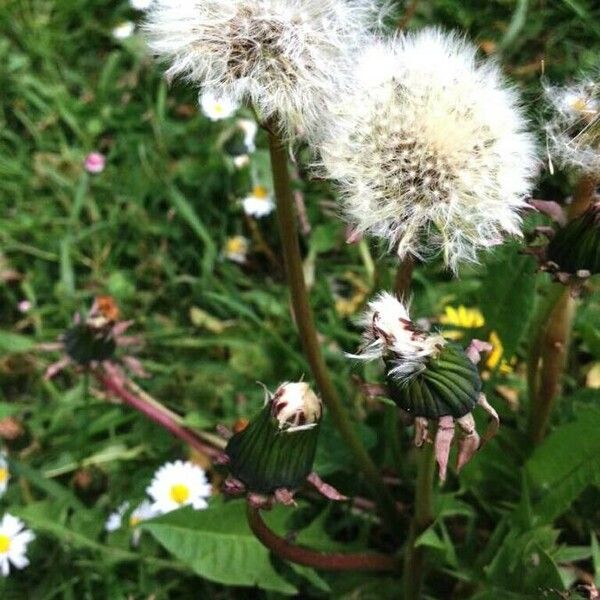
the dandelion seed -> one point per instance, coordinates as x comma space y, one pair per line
179, 484
284, 57
14, 539
259, 203
216, 107
430, 149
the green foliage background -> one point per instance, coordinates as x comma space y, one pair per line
150, 232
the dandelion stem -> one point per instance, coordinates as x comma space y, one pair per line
161, 417
311, 558
403, 280
414, 562
549, 350
306, 327
554, 347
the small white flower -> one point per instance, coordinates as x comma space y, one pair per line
389, 331
14, 539
296, 407
236, 249
573, 130
141, 4
179, 484
241, 161
4, 475
285, 57
123, 30
142, 512
250, 129
259, 203
217, 107
431, 148
115, 519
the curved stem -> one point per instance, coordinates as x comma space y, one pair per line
311, 558
414, 562
306, 326
161, 417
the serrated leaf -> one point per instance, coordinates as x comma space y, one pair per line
565, 464
218, 545
508, 295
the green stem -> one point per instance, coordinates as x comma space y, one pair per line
552, 332
306, 326
414, 562
553, 350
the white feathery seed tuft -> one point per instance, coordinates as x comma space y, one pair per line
286, 57
431, 149
573, 130
390, 333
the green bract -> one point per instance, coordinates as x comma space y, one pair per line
265, 457
449, 385
576, 247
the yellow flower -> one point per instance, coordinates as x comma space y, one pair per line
463, 317
348, 304
494, 359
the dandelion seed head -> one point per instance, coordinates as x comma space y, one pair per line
284, 56
431, 149
573, 129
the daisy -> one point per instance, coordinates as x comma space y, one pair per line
179, 484
115, 519
143, 512
94, 163
250, 129
259, 203
4, 475
14, 539
217, 107
236, 249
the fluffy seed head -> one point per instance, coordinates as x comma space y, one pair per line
296, 406
573, 131
285, 56
430, 149
389, 333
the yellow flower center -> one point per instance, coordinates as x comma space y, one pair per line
135, 521
180, 493
218, 108
236, 245
579, 105
260, 192
3, 474
4, 543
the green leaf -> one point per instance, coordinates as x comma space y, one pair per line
565, 464
596, 558
218, 545
13, 342
508, 295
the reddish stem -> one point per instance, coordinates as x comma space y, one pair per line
311, 558
114, 386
